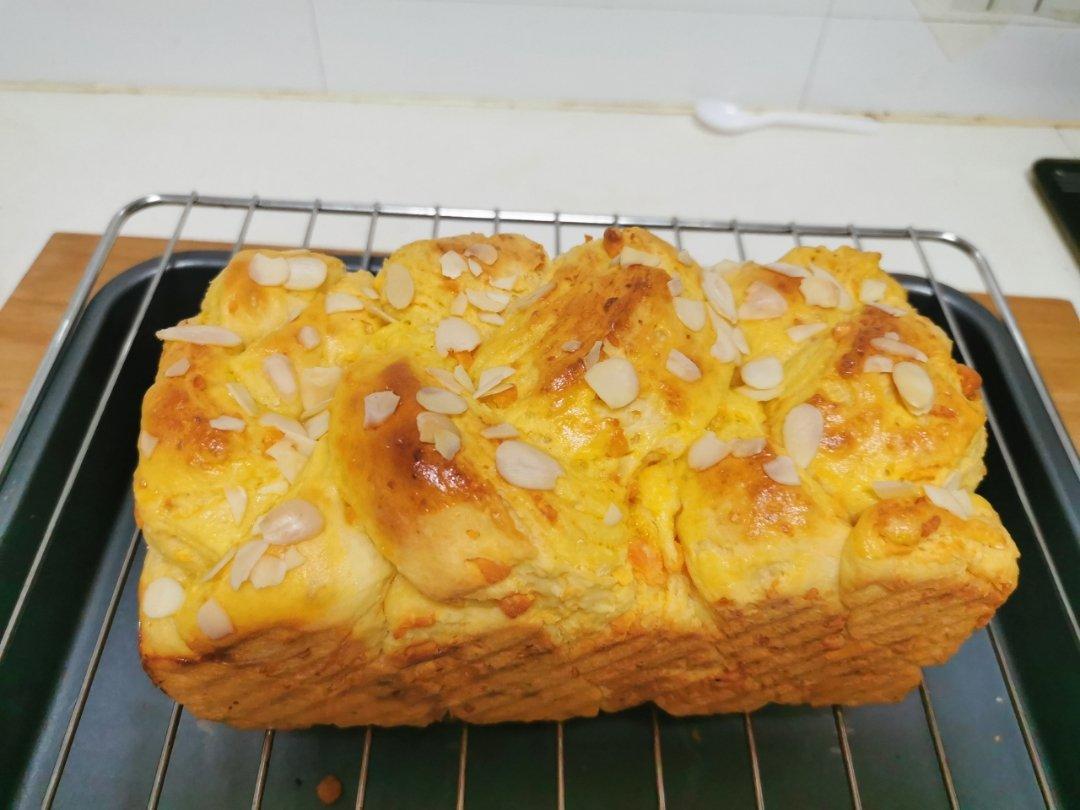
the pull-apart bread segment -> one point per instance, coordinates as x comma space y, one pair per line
497, 486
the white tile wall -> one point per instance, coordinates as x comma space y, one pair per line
905, 56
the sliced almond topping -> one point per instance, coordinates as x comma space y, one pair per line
216, 569
892, 335
954, 480
803, 428
179, 368
237, 499
243, 398
428, 424
760, 395
317, 425
317, 385
290, 461
290, 427
213, 620
782, 470
682, 366
305, 273
147, 443
614, 380
292, 558
279, 487
630, 255
342, 302
162, 598
893, 346
461, 376
872, 290
685, 257
483, 251
762, 302
459, 304
450, 381
447, 443
915, 387
382, 313
491, 379
308, 337
789, 270
889, 309
279, 370
691, 313
452, 264
947, 499
379, 406
398, 288
246, 556
291, 521
592, 357
526, 466
230, 423
877, 363
820, 293
763, 372
200, 334
488, 301
268, 572
296, 306
804, 331
533, 297
707, 451
369, 292
675, 286
613, 515
719, 294
439, 400
726, 266
744, 448
503, 430
505, 282
739, 337
474, 267
843, 297
268, 271
894, 489
571, 346
455, 335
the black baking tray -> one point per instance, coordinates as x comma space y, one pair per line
608, 760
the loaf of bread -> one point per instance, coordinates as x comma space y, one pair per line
495, 486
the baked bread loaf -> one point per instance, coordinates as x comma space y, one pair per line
500, 487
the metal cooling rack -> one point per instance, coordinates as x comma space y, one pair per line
374, 213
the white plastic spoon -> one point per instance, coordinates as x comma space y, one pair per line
731, 119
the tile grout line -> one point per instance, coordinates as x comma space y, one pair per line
812, 67
318, 44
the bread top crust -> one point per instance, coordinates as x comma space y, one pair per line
417, 537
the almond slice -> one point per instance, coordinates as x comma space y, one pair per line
948, 500
213, 620
739, 337
503, 430
279, 487
216, 569
439, 400
759, 395
288, 426
317, 425
685, 257
489, 300
492, 378
291, 521
455, 335
820, 293
179, 368
308, 337
268, 572
744, 448
804, 331
803, 428
915, 387
762, 302
227, 423
268, 271
369, 291
483, 251
691, 313
724, 348
292, 558
289, 460
452, 264
200, 334
449, 380
889, 309
447, 443
682, 366
428, 424
614, 380
592, 357
317, 385
505, 282
789, 270
246, 556
162, 598
461, 376
726, 266
459, 304
763, 372
894, 489
533, 297
147, 443
613, 515
399, 288
526, 466
342, 302
237, 499
379, 406
877, 363
571, 346
631, 255
474, 267
894, 346
239, 392
719, 294
872, 290
675, 286
782, 470
491, 318
279, 370
707, 451
305, 273
843, 297
296, 307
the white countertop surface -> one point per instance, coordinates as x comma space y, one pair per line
68, 160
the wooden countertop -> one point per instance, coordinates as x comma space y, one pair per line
30, 316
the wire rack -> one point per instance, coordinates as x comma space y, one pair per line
374, 214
